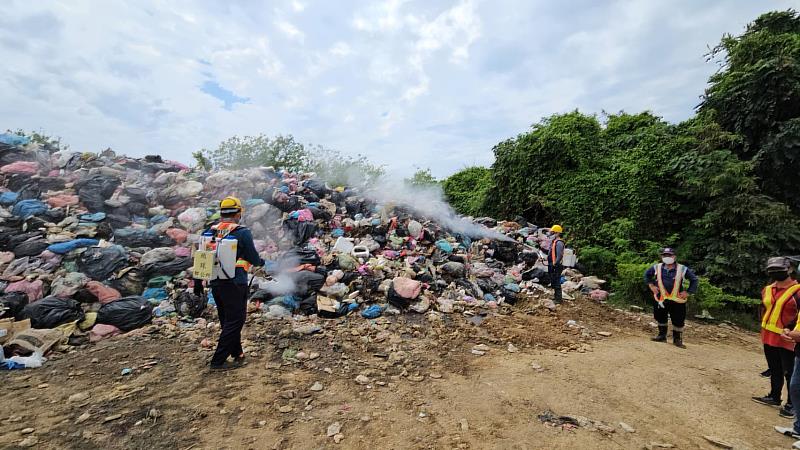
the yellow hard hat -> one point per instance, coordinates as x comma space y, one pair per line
230, 205
556, 229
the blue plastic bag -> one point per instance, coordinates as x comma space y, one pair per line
96, 217
444, 246
65, 247
155, 294
372, 312
28, 208
253, 202
337, 233
8, 198
14, 139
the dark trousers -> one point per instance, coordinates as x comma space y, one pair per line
555, 280
794, 392
231, 302
671, 310
781, 366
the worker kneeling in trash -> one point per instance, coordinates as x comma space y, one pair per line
231, 251
666, 281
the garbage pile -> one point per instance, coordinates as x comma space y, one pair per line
96, 245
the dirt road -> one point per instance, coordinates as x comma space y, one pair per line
423, 388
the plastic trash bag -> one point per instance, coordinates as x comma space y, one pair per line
135, 237
128, 313
66, 247
190, 305
28, 208
33, 289
372, 312
99, 263
51, 312
12, 304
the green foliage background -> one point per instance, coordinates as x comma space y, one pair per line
719, 187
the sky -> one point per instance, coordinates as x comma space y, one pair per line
409, 84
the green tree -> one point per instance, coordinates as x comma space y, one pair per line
466, 190
254, 151
202, 161
422, 177
756, 94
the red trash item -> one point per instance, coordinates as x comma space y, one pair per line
105, 294
406, 287
21, 167
62, 200
34, 289
178, 235
103, 331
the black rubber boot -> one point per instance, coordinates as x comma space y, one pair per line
662, 334
677, 339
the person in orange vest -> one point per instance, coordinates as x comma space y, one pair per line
779, 306
230, 294
554, 262
666, 281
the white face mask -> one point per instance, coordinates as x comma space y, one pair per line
668, 260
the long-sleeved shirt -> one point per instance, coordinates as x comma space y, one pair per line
558, 243
668, 276
246, 250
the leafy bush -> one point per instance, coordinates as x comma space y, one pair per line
598, 261
466, 190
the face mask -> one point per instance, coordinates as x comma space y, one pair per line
779, 276
668, 260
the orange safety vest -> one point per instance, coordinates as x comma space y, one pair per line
553, 250
223, 229
773, 310
680, 273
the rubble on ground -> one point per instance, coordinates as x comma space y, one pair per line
97, 245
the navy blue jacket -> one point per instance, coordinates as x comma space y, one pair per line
668, 275
246, 250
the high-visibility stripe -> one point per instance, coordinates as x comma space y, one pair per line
771, 321
680, 273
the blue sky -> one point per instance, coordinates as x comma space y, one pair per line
430, 84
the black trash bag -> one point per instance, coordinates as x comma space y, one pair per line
504, 251
84, 295
396, 300
154, 159
31, 247
317, 187
95, 190
13, 238
99, 263
134, 237
487, 285
54, 215
129, 281
127, 313
320, 213
302, 231
511, 297
190, 305
298, 256
308, 305
529, 257
12, 304
171, 268
537, 273
262, 295
310, 197
51, 312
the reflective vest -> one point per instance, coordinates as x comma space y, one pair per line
680, 273
774, 309
223, 229
553, 250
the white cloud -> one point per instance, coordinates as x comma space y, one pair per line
341, 49
405, 83
291, 31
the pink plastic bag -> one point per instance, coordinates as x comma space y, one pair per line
34, 289
183, 251
406, 287
599, 295
105, 294
21, 167
102, 331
